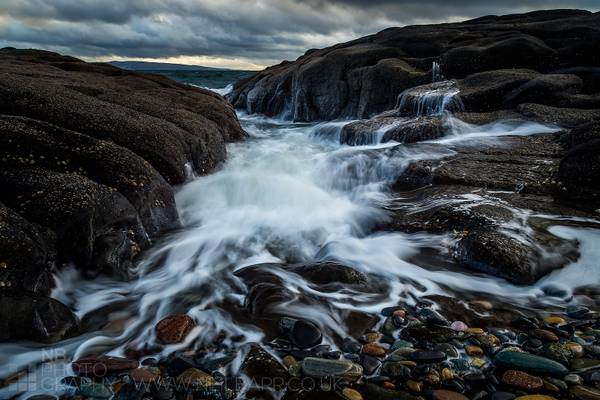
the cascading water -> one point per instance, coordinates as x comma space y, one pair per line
434, 99
284, 196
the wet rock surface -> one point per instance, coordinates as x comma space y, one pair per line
476, 192
88, 156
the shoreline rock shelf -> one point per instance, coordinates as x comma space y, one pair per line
88, 156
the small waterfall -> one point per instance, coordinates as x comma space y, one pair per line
436, 73
434, 99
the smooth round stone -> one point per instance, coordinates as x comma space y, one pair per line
447, 395
389, 327
431, 317
448, 349
577, 311
488, 341
554, 320
529, 363
585, 393
320, 367
415, 386
532, 344
482, 304
374, 350
559, 352
573, 379
474, 351
460, 364
351, 346
543, 335
129, 391
144, 375
429, 356
447, 374
394, 370
351, 394
592, 350
459, 326
193, 377
584, 364
305, 334
522, 380
403, 353
559, 384
174, 328
474, 331
370, 364
475, 376
477, 362
371, 337
555, 291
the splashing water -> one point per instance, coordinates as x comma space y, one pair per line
284, 196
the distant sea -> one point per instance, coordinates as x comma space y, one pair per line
218, 80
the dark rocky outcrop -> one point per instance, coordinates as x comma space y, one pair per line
88, 154
361, 78
477, 196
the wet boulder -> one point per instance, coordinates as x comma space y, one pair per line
96, 227
326, 273
36, 318
386, 129
500, 254
26, 254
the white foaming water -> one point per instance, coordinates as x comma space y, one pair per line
283, 196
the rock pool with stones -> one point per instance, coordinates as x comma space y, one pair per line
283, 284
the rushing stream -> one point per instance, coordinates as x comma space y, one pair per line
285, 195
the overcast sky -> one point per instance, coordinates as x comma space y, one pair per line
246, 34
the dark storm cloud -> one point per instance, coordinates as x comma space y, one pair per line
264, 31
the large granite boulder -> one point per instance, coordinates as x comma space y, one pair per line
361, 78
